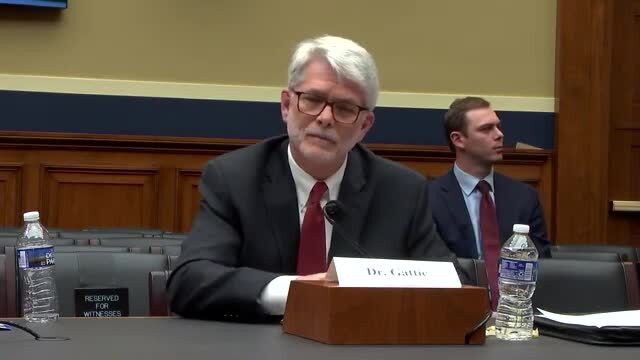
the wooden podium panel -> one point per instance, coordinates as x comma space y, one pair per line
330, 314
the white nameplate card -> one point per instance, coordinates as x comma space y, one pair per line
363, 272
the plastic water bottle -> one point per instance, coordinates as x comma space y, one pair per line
36, 263
518, 272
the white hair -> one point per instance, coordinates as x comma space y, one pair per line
349, 60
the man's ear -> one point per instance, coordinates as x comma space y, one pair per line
369, 119
366, 125
457, 139
285, 101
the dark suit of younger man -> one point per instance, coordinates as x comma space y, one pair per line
247, 230
516, 203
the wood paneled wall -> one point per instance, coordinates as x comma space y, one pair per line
624, 137
582, 119
597, 120
80, 181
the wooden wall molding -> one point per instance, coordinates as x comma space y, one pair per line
43, 140
10, 193
79, 180
73, 141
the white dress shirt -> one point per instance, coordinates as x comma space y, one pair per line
274, 296
472, 197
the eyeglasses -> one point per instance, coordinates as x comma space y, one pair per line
343, 112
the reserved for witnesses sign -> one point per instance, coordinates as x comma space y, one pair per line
102, 302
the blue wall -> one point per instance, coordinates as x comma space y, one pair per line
130, 115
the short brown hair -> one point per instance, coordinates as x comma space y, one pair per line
456, 117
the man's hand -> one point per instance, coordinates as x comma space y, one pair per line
318, 276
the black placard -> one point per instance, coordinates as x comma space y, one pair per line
102, 302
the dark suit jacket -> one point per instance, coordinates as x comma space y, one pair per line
516, 203
247, 228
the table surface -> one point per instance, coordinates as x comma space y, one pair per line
170, 338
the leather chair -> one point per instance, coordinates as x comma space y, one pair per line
8, 241
77, 248
8, 283
15, 231
107, 269
158, 300
173, 250
173, 262
627, 253
10, 231
476, 271
3, 287
142, 243
95, 235
593, 256
145, 232
54, 232
583, 286
179, 236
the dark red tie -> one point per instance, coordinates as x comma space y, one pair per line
312, 251
490, 239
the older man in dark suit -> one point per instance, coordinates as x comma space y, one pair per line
260, 223
473, 206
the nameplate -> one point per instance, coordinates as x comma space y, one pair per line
102, 302
363, 272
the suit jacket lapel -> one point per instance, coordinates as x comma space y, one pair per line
281, 204
355, 202
459, 213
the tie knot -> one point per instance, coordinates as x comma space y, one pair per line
317, 192
484, 187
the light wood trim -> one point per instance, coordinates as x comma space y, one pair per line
625, 206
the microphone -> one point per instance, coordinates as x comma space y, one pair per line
332, 211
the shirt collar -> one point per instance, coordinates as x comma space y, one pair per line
305, 182
468, 182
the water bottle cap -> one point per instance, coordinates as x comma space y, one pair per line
521, 228
32, 216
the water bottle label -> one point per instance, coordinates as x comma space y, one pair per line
30, 258
520, 270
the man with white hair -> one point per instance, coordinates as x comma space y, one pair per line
261, 224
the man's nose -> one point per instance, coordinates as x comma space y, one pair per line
325, 118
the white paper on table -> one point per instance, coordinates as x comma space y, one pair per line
616, 318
